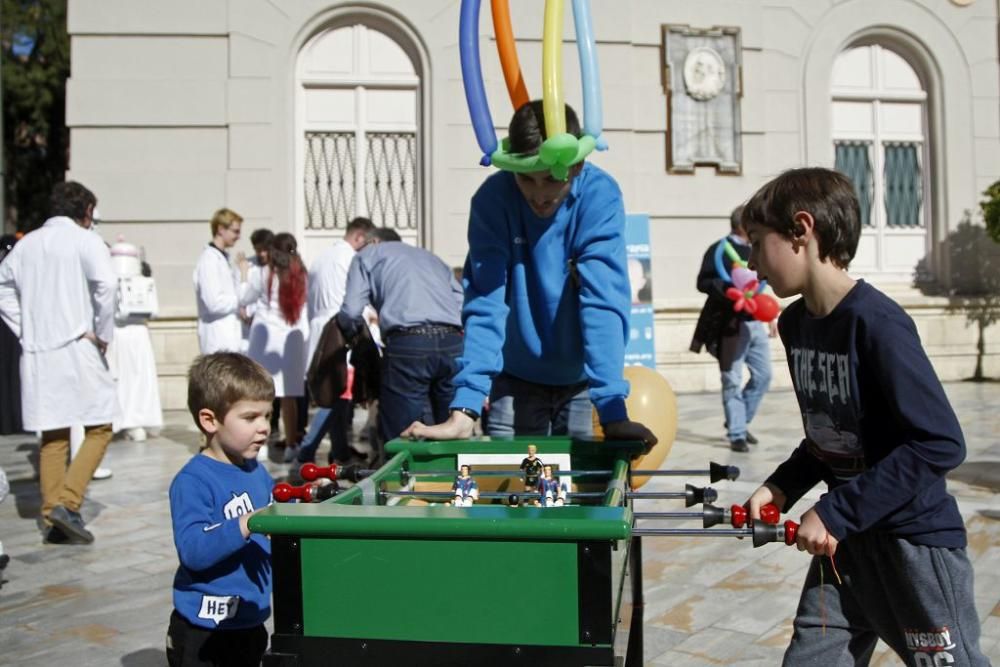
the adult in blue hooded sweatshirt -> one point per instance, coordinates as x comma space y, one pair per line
547, 298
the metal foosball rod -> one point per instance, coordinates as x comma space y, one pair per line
715, 472
691, 495
735, 515
762, 533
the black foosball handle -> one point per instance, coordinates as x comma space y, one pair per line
694, 495
718, 472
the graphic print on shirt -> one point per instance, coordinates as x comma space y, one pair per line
822, 382
218, 608
238, 506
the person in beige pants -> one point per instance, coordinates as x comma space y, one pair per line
57, 294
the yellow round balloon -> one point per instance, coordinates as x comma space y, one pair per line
652, 403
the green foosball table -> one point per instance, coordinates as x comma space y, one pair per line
388, 573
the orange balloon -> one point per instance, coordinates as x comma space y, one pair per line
508, 54
652, 403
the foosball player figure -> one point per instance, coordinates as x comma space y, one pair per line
550, 490
465, 488
531, 466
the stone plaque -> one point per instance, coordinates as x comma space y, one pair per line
702, 79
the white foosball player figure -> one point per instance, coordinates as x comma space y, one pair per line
551, 492
465, 488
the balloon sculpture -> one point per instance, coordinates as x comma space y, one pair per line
561, 150
746, 291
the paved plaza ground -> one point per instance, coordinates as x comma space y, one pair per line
709, 601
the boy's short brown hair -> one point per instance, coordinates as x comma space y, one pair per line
827, 195
218, 381
224, 217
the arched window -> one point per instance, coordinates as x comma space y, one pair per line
879, 123
357, 118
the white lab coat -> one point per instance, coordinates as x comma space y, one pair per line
216, 287
327, 285
275, 344
55, 286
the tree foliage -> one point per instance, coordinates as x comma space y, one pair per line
35, 60
975, 280
991, 210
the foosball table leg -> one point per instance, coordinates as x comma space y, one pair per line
633, 658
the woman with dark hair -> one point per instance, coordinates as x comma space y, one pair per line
280, 328
10, 359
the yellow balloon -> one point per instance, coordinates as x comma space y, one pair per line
652, 403
552, 88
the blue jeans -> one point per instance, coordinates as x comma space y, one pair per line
416, 370
337, 422
519, 407
740, 403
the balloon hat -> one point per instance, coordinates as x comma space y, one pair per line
560, 150
746, 292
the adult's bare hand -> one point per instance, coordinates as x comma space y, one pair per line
458, 427
102, 346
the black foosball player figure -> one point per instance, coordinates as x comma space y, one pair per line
550, 491
531, 466
465, 488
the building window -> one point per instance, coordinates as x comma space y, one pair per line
879, 119
357, 108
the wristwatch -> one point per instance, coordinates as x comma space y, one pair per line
471, 414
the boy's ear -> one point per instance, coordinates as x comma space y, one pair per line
803, 225
208, 422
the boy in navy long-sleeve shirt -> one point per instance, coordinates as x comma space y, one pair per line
878, 430
222, 589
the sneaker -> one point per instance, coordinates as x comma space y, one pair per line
103, 473
291, 453
137, 434
750, 439
70, 523
739, 445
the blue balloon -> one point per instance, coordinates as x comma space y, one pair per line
593, 115
720, 267
472, 79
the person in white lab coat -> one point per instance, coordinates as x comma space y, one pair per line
57, 294
327, 284
216, 287
280, 329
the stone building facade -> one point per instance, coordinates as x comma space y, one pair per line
302, 113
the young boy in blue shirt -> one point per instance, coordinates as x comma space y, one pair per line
222, 589
888, 539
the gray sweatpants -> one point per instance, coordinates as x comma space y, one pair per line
917, 599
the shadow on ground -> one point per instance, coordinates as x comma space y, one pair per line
147, 657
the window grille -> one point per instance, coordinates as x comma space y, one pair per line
852, 160
329, 179
903, 184
390, 179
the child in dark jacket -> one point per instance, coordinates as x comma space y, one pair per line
887, 539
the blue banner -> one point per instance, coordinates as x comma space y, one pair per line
640, 350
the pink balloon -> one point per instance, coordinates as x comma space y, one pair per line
741, 276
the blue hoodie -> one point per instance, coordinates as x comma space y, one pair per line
224, 579
525, 313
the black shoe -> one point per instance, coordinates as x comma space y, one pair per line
739, 445
71, 524
750, 439
52, 535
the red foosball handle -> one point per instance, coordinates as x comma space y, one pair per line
306, 493
769, 513
311, 472
765, 533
